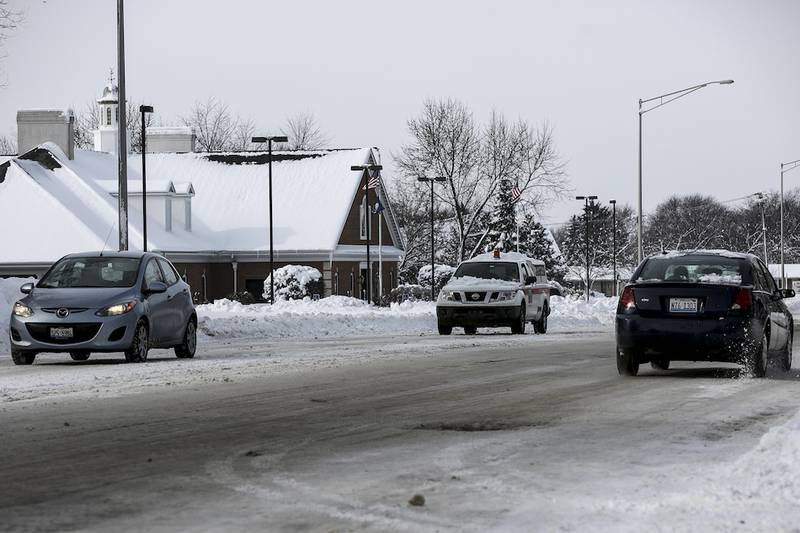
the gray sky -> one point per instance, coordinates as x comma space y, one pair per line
365, 67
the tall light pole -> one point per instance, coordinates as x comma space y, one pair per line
762, 200
614, 243
269, 141
670, 97
433, 247
785, 167
144, 109
122, 148
588, 200
365, 170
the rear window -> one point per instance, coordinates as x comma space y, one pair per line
498, 270
694, 269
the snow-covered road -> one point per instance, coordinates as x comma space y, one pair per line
495, 431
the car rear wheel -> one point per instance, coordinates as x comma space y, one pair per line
137, 353
518, 328
786, 359
759, 358
627, 362
22, 358
540, 326
79, 356
186, 349
445, 330
659, 364
470, 330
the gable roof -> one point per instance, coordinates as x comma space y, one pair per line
70, 205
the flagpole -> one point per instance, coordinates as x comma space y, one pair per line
380, 257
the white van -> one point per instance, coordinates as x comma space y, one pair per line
495, 289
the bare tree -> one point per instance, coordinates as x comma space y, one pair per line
304, 132
242, 136
9, 20
213, 124
87, 120
8, 145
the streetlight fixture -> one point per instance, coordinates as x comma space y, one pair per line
143, 109
269, 141
589, 200
785, 167
366, 169
670, 97
614, 243
436, 179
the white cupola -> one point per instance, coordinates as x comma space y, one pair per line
105, 137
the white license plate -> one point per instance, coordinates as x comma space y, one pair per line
683, 305
61, 333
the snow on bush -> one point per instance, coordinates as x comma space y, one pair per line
408, 293
9, 293
443, 275
294, 282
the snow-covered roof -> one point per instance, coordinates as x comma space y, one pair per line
169, 130
792, 270
721, 253
504, 256
110, 94
58, 205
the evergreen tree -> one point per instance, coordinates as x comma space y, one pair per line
537, 242
502, 222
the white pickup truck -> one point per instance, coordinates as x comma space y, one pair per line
495, 289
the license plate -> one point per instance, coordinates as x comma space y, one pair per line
61, 333
683, 305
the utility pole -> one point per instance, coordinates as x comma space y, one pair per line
432, 181
144, 109
762, 200
122, 147
614, 243
365, 169
587, 200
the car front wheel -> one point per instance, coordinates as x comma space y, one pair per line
22, 358
186, 349
137, 353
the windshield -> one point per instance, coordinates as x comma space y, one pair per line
693, 269
97, 272
501, 271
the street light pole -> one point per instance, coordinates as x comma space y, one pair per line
433, 247
785, 167
586, 200
761, 199
144, 109
670, 97
614, 243
269, 141
365, 169
122, 148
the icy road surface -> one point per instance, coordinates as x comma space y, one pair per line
496, 432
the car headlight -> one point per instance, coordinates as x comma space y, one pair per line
20, 309
503, 296
117, 309
446, 296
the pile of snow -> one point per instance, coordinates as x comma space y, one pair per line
9, 293
294, 282
573, 313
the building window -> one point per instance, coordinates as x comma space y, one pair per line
336, 282
352, 284
116, 114
391, 279
108, 116
363, 219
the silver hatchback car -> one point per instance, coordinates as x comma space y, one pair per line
105, 302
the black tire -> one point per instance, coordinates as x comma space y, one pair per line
786, 356
518, 328
757, 364
627, 362
540, 326
187, 348
659, 364
445, 330
22, 358
79, 356
470, 330
137, 353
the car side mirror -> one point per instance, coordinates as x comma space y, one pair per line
27, 288
155, 287
784, 293
530, 280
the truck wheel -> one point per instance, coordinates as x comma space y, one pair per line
445, 330
470, 330
22, 358
540, 326
627, 362
518, 328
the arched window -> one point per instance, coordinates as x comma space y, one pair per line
336, 282
108, 116
363, 219
116, 114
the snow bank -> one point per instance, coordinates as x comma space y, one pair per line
340, 316
9, 293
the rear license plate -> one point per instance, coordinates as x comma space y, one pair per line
683, 305
61, 333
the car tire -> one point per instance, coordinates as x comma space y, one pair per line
445, 330
518, 328
759, 358
140, 345
627, 362
470, 330
187, 347
540, 326
79, 356
659, 364
22, 358
786, 357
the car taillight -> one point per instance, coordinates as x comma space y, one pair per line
627, 302
744, 299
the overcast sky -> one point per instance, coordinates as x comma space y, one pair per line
365, 67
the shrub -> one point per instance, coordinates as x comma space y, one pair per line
243, 297
295, 282
443, 275
407, 293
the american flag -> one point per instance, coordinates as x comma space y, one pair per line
371, 184
516, 194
